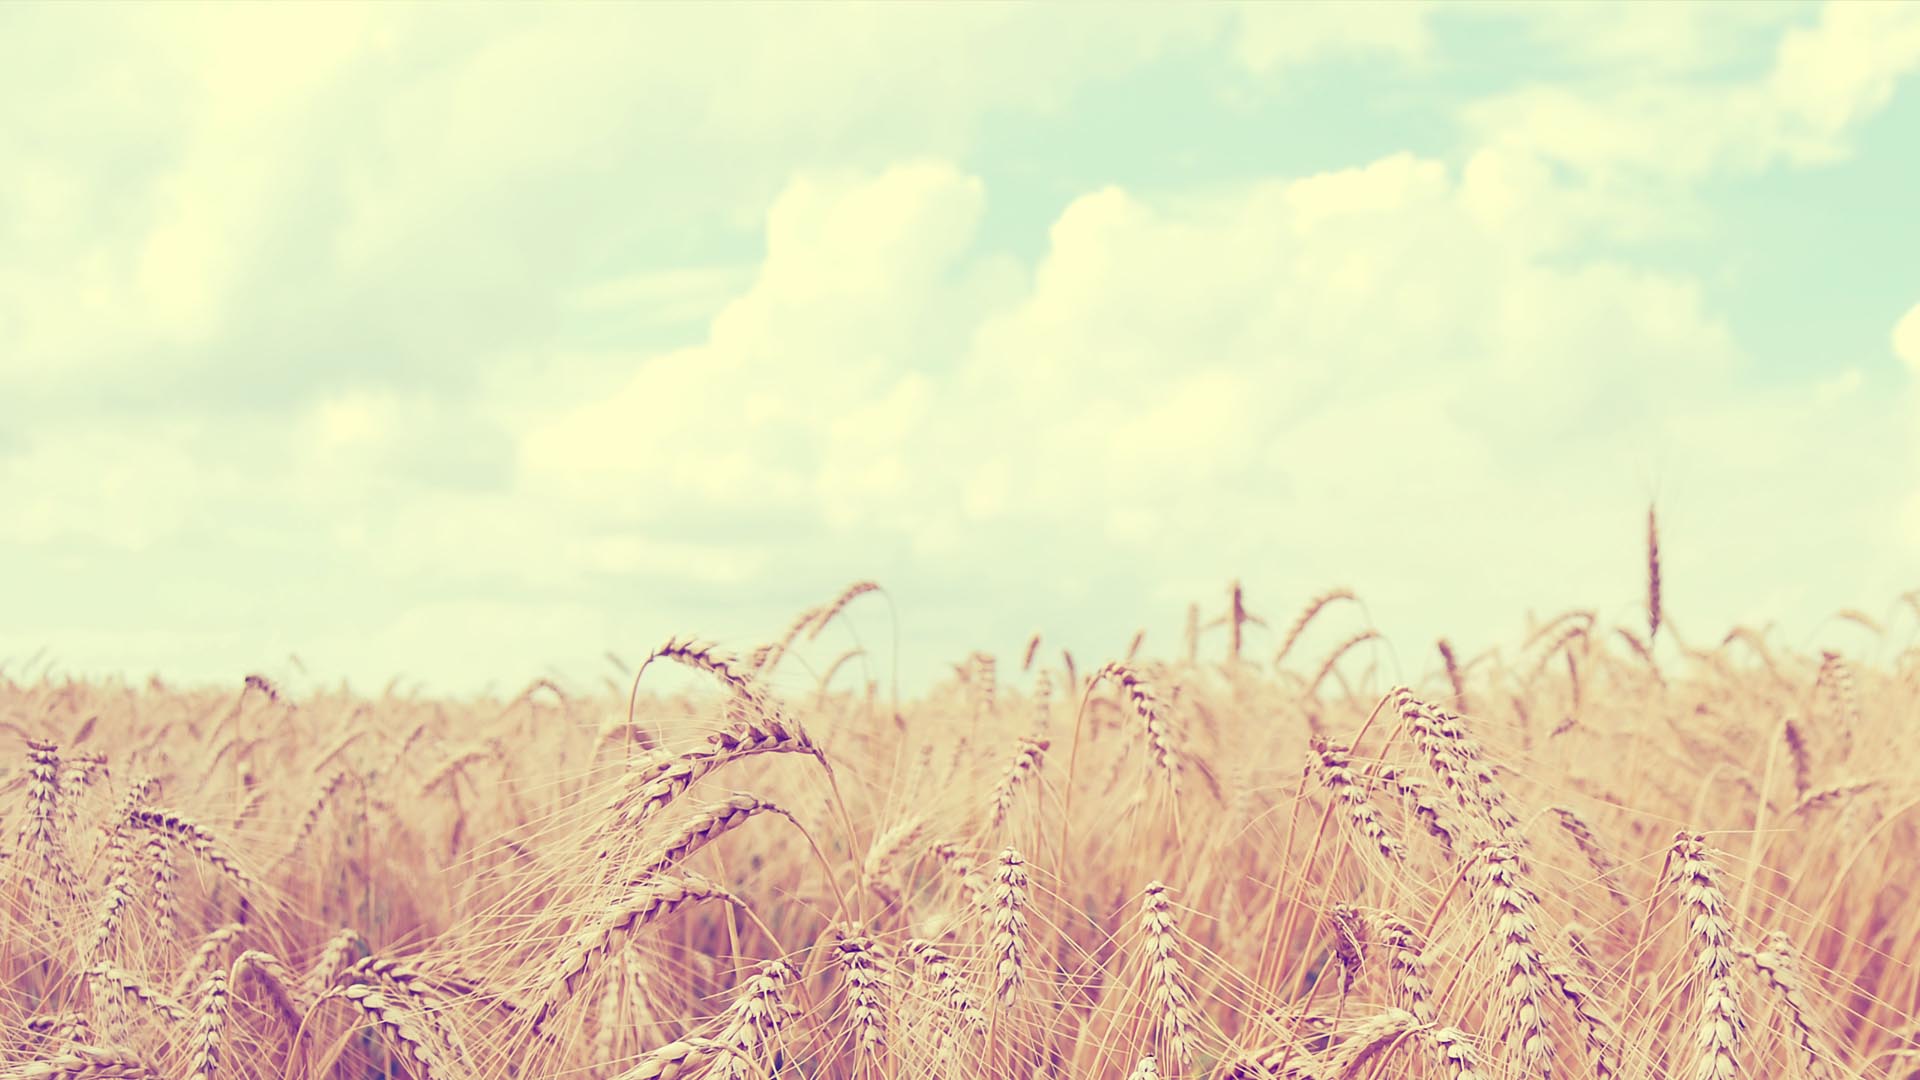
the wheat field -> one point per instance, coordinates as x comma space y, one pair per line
1599, 851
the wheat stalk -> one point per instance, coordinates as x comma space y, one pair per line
110, 983
646, 789
1146, 707
958, 1011
1008, 915
256, 967
1779, 967
396, 1024
1348, 945
1306, 616
1457, 761
1168, 994
832, 611
83, 1063
1523, 978
706, 825
1718, 1034
1371, 1042
1604, 867
1020, 773
1336, 772
201, 839
1653, 575
209, 1028
1602, 1041
758, 1014
42, 829
66, 1027
642, 905
1420, 800
865, 970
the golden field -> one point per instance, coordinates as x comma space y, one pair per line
1597, 852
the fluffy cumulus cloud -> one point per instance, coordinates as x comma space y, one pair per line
463, 342
1906, 338
1364, 372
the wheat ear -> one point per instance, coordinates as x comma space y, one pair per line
958, 1011
832, 611
865, 971
1146, 706
1779, 967
1603, 1053
1348, 945
1420, 800
1454, 677
205, 958
1168, 994
265, 970
1653, 575
210, 1028
1372, 1042
758, 1014
83, 1063
1020, 773
42, 829
396, 1024
1008, 914
645, 789
642, 905
1299, 626
332, 959
706, 825
1336, 772
682, 1057
65, 1028
1583, 838
196, 836
1523, 990
108, 982
1718, 1035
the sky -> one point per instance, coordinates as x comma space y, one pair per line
466, 343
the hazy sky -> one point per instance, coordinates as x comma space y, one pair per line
470, 342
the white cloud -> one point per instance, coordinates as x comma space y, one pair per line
1906, 338
196, 170
130, 255
1825, 79
1288, 374
1835, 73
1395, 375
808, 381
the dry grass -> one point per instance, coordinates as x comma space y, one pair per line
1648, 862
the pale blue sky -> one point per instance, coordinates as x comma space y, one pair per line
467, 342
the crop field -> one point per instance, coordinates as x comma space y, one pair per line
1598, 851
